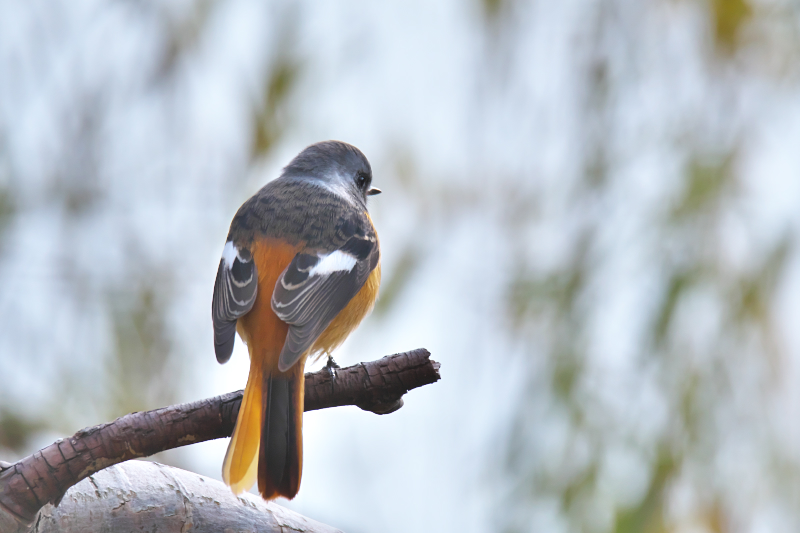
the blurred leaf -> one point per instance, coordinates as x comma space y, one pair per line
271, 120
690, 408
578, 488
596, 171
756, 291
566, 371
492, 9
648, 516
15, 431
729, 18
706, 180
183, 36
596, 164
530, 295
714, 518
7, 210
680, 282
752, 301
528, 298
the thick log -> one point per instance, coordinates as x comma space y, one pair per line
142, 496
45, 476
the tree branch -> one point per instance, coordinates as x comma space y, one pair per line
45, 476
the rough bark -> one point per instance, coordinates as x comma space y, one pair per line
142, 496
45, 476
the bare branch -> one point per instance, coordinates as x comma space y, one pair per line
45, 476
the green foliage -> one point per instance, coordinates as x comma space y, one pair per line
729, 17
755, 292
8, 209
182, 36
707, 181
679, 283
553, 311
648, 516
492, 9
271, 118
15, 430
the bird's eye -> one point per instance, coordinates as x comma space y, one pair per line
361, 181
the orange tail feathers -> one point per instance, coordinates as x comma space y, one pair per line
239, 467
280, 456
267, 442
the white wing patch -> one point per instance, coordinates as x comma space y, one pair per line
235, 292
337, 261
229, 253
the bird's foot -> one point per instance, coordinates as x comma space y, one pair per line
331, 365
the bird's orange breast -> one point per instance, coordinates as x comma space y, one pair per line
351, 316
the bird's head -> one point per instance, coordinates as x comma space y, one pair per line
338, 165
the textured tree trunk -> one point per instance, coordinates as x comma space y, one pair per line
44, 477
141, 496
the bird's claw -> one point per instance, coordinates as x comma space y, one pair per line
332, 366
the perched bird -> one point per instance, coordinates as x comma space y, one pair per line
299, 271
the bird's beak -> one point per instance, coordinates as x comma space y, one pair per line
373, 191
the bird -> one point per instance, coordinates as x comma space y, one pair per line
299, 271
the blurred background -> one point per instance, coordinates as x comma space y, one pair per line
590, 218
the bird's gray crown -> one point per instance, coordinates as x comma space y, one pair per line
324, 159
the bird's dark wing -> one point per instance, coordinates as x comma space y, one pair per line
315, 287
234, 294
